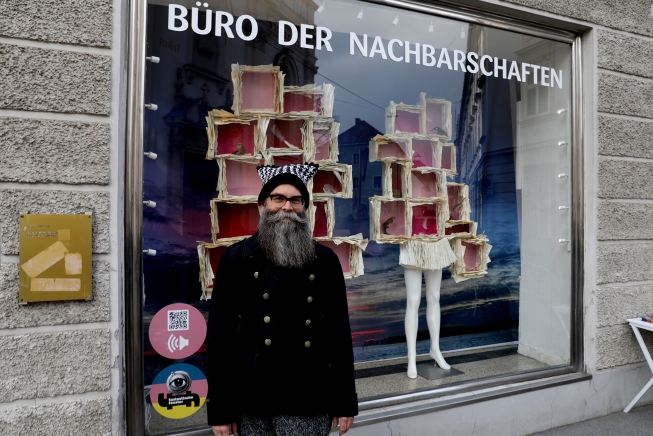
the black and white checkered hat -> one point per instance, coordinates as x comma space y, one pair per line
297, 175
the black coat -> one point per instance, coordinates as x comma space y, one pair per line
279, 340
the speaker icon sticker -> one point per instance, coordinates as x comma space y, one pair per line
177, 331
178, 391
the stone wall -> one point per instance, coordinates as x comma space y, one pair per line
60, 143
619, 237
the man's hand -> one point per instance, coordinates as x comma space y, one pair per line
345, 423
223, 430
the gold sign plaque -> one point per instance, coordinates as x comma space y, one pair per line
55, 257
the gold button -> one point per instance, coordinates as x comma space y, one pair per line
266, 319
309, 299
307, 344
308, 322
266, 296
256, 275
268, 342
311, 277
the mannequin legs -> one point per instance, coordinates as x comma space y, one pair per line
433, 279
413, 280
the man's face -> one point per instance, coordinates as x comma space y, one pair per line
275, 203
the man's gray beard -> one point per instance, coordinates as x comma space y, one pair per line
286, 243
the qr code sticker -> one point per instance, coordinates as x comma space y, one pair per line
177, 320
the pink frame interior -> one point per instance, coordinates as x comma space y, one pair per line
237, 219
322, 139
407, 122
434, 117
242, 178
258, 88
423, 153
396, 209
452, 194
446, 160
296, 102
425, 219
342, 251
424, 185
324, 177
321, 224
392, 149
458, 228
471, 255
230, 135
397, 180
291, 130
288, 159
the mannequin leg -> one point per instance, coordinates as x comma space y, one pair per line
433, 279
413, 280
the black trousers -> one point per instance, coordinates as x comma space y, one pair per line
285, 425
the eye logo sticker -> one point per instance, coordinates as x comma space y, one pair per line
177, 331
179, 391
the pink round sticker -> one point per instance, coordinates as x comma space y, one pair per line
177, 331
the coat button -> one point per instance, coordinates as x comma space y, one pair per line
268, 342
266, 296
256, 275
311, 277
309, 299
308, 322
307, 344
266, 319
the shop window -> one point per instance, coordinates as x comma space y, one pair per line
411, 153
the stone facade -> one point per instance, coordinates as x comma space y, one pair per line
59, 153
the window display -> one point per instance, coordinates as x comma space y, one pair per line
437, 145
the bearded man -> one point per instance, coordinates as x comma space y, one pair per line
280, 358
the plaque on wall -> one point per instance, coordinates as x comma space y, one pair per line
55, 257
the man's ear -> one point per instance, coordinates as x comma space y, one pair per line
260, 209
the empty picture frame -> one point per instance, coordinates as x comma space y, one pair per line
349, 250
238, 177
285, 133
312, 100
321, 215
425, 150
446, 158
257, 89
427, 218
395, 179
404, 118
233, 217
389, 220
209, 258
437, 116
428, 183
322, 146
285, 157
332, 180
461, 229
390, 148
472, 257
459, 209
231, 135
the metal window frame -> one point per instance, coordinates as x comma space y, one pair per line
471, 11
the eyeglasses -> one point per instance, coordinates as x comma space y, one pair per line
279, 200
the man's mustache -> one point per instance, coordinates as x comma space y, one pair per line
281, 215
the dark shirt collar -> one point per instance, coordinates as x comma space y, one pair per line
252, 245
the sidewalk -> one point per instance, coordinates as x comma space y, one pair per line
638, 422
